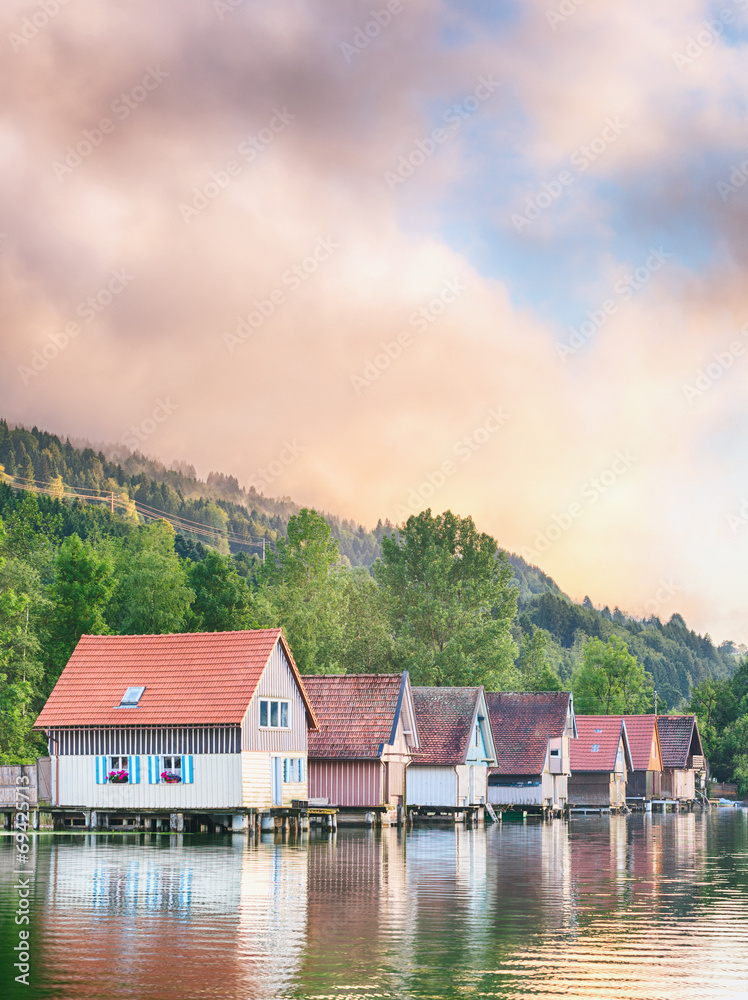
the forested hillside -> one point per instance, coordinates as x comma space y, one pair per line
122, 544
218, 511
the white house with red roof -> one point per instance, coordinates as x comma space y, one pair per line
366, 737
600, 762
163, 726
450, 768
532, 732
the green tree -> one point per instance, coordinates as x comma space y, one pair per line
223, 601
721, 707
21, 669
301, 589
81, 590
611, 681
535, 667
367, 644
31, 534
451, 602
306, 557
152, 595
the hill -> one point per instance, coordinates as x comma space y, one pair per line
109, 491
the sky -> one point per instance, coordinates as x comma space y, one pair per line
396, 254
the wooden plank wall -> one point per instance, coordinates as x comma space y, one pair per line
347, 782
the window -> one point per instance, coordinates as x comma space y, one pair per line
171, 772
117, 770
171, 769
131, 697
598, 730
555, 752
293, 769
273, 713
595, 748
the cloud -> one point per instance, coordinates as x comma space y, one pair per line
233, 164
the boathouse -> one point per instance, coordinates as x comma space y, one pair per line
365, 741
600, 763
683, 763
450, 769
177, 731
644, 781
532, 733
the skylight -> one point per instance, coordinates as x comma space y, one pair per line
131, 697
598, 730
595, 748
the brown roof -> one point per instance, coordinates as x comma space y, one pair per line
641, 731
596, 747
676, 734
357, 713
522, 723
194, 678
445, 723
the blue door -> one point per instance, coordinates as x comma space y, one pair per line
276, 781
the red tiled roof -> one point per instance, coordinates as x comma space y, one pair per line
356, 713
445, 723
601, 731
522, 723
676, 732
196, 678
640, 730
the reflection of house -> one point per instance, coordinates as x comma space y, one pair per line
366, 737
148, 899
682, 756
531, 733
450, 769
167, 725
600, 762
644, 780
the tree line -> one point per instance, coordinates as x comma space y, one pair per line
441, 602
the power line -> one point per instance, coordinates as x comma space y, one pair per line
146, 511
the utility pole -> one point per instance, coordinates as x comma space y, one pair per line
655, 703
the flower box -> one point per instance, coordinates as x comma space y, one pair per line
118, 777
171, 778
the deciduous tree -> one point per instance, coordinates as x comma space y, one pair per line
451, 602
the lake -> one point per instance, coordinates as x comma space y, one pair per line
641, 906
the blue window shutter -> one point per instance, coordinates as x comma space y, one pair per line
137, 770
98, 770
187, 767
286, 762
150, 770
302, 769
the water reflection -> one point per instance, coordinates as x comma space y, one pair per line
637, 907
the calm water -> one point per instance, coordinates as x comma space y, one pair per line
627, 907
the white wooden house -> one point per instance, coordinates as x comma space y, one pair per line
450, 767
210, 724
532, 732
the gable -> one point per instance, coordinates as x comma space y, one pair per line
357, 713
521, 725
446, 717
596, 747
203, 678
